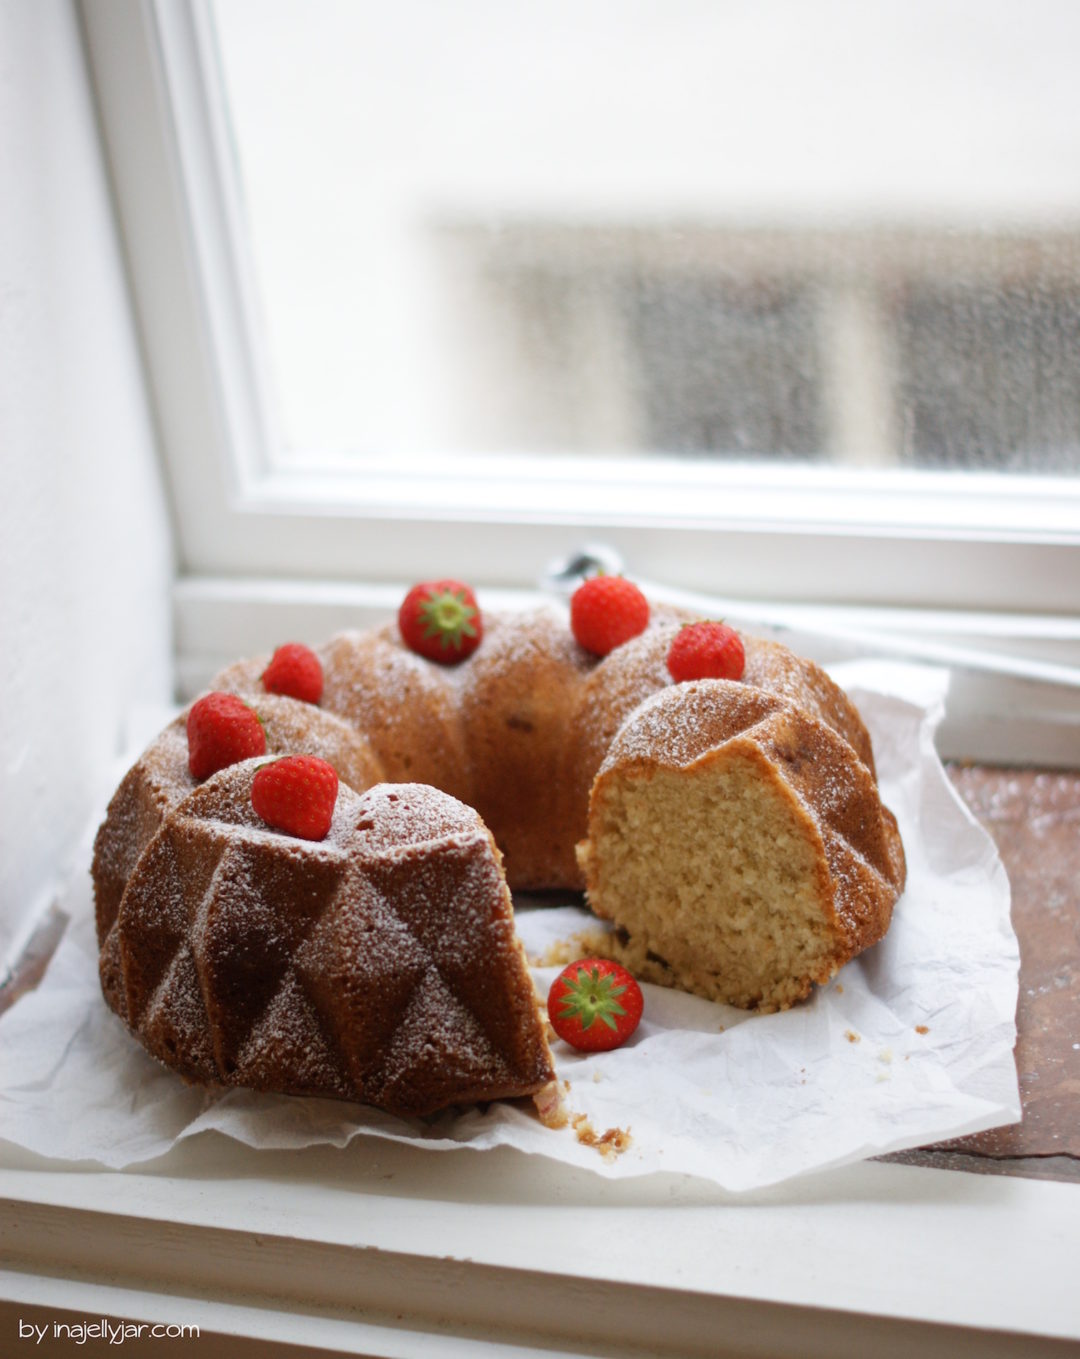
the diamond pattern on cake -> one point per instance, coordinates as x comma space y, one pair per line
458, 944
290, 1037
437, 1045
169, 881
175, 1026
329, 968
243, 944
361, 963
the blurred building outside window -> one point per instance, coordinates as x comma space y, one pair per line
827, 234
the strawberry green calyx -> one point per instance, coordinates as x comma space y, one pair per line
441, 621
590, 997
448, 616
594, 1004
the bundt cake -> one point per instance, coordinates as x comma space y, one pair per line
519, 729
730, 830
379, 964
740, 851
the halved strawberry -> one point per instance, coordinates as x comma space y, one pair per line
605, 612
294, 670
222, 730
594, 1004
441, 620
296, 794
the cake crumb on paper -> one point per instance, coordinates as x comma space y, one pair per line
609, 1144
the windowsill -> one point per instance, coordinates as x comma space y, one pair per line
376, 1248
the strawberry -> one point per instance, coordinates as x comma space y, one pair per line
294, 670
706, 651
594, 1004
605, 612
296, 794
222, 729
440, 620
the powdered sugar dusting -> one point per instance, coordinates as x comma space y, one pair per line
404, 704
680, 723
385, 954
290, 1036
437, 1043
806, 686
395, 816
380, 964
160, 779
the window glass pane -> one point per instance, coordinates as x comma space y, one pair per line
991, 373
832, 232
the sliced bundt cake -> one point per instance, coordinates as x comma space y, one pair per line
738, 847
378, 964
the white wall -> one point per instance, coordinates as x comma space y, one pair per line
85, 541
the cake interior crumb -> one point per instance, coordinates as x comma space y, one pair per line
713, 884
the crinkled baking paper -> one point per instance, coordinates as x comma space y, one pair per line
911, 1043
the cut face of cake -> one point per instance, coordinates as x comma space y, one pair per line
739, 850
379, 964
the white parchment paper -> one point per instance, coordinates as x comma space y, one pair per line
911, 1043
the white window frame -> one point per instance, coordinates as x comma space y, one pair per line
266, 550
969, 541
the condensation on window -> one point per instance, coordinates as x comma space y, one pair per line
835, 233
